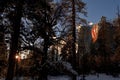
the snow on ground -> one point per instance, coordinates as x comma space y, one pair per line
100, 77
88, 77
59, 78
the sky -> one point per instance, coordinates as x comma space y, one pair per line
98, 8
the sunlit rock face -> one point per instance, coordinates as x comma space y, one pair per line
94, 32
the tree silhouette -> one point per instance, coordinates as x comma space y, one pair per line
72, 10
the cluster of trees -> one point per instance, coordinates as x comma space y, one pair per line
41, 25
26, 20
106, 48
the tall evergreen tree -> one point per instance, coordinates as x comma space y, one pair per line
105, 42
72, 10
16, 20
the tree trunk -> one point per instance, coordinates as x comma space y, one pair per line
16, 19
73, 35
45, 49
43, 73
74, 38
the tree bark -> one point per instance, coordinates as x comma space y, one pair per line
74, 38
45, 49
73, 35
16, 19
43, 73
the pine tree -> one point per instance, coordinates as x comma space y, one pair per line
16, 20
72, 10
105, 42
